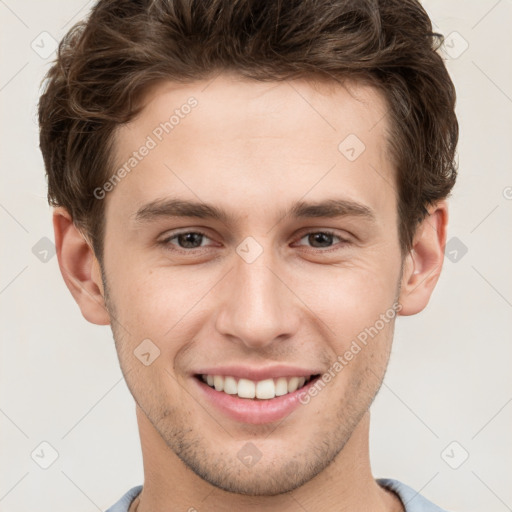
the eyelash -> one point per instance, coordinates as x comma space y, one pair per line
166, 242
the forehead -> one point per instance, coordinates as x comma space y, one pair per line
275, 141
263, 108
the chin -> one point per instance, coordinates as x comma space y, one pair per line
256, 482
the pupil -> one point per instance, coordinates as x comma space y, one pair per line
188, 240
324, 238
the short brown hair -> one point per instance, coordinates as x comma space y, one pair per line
105, 64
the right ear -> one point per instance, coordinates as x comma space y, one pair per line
79, 268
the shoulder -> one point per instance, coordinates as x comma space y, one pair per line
411, 499
124, 503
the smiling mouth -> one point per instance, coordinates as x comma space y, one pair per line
255, 390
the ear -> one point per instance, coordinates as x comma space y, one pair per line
79, 268
423, 264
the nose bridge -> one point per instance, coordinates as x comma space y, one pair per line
257, 307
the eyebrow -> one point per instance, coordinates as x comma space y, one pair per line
171, 207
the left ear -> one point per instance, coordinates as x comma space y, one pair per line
423, 264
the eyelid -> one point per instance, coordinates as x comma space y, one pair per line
327, 231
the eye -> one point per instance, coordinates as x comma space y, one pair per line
186, 240
322, 239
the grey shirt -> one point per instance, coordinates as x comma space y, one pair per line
412, 501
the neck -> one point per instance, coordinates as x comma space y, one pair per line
345, 484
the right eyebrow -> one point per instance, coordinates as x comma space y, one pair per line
171, 207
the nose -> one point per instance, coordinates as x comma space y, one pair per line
256, 308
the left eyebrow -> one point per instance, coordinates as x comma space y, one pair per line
172, 207
331, 208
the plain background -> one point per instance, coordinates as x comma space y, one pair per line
448, 390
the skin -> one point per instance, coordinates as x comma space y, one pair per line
254, 148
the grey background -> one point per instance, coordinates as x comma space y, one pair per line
447, 393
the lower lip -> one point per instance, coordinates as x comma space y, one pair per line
246, 410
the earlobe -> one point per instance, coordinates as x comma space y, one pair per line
79, 268
423, 264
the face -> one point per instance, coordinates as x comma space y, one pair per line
248, 246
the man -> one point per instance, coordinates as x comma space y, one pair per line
249, 193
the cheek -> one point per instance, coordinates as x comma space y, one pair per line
352, 298
358, 306
158, 303
162, 303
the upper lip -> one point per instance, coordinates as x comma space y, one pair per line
257, 374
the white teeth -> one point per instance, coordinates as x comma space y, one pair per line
263, 389
218, 382
281, 386
246, 388
230, 386
293, 384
